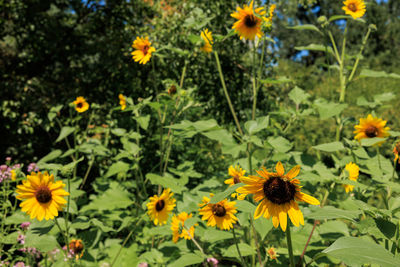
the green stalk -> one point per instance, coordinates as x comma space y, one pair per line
289, 243
394, 169
221, 76
253, 112
342, 76
364, 42
237, 247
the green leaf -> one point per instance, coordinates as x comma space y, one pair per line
44, 243
329, 212
116, 168
372, 141
386, 227
222, 195
263, 226
52, 155
259, 124
245, 206
378, 74
357, 251
330, 147
166, 182
337, 17
188, 259
328, 109
222, 136
65, 131
213, 235
99, 224
245, 250
361, 153
17, 218
298, 95
316, 47
280, 144
143, 121
305, 27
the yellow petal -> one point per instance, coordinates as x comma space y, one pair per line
293, 172
279, 169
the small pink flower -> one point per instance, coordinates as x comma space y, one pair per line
213, 261
143, 264
25, 225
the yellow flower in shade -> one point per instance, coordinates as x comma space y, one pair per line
122, 101
80, 104
13, 175
236, 173
248, 25
396, 151
177, 227
42, 197
354, 171
143, 50
271, 14
220, 214
272, 253
278, 193
354, 8
76, 248
160, 207
208, 41
371, 127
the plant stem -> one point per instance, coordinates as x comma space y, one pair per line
342, 75
87, 172
253, 112
237, 247
221, 76
65, 239
394, 169
364, 42
289, 243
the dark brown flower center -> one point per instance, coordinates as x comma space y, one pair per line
218, 210
79, 105
160, 205
172, 90
279, 191
43, 194
250, 21
145, 49
371, 131
352, 7
76, 247
236, 180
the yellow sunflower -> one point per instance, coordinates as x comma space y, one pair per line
354, 8
396, 151
272, 253
143, 50
76, 248
371, 127
122, 101
354, 171
220, 214
14, 175
42, 197
248, 25
177, 227
208, 41
271, 14
80, 104
160, 207
236, 173
278, 192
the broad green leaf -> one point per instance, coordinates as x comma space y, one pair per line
329, 212
357, 251
65, 131
103, 227
334, 227
44, 243
222, 195
207, 125
116, 168
245, 206
222, 136
328, 109
394, 133
280, 144
372, 141
384, 97
245, 250
188, 259
118, 131
166, 182
49, 157
213, 235
330, 147
305, 27
143, 121
263, 226
316, 47
17, 217
386, 227
378, 74
259, 124
298, 95
361, 153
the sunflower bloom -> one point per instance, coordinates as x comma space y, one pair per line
396, 151
221, 214
177, 227
206, 35
160, 207
80, 104
76, 248
278, 193
143, 50
13, 175
371, 127
354, 171
248, 24
271, 14
122, 101
354, 8
42, 197
236, 173
272, 253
